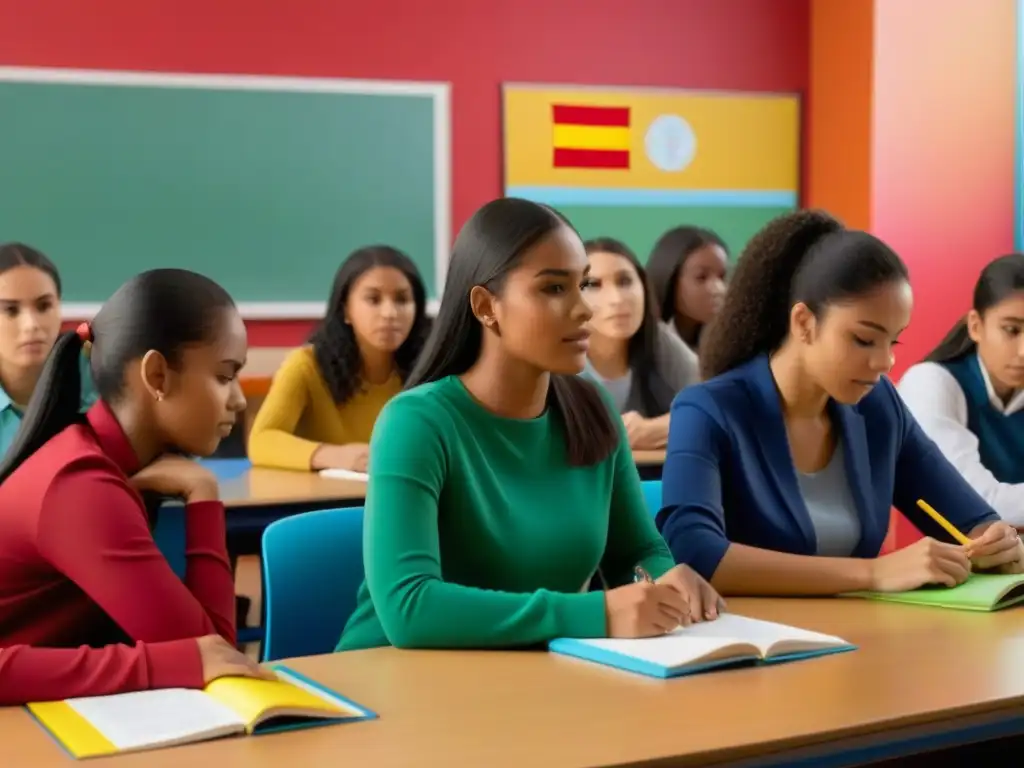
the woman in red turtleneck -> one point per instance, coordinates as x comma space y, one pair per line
88, 604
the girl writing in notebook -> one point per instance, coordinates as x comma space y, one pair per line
783, 465
687, 270
639, 361
78, 565
325, 399
501, 457
30, 291
968, 394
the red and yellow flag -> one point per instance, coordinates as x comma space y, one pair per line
590, 137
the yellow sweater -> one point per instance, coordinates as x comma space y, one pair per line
299, 414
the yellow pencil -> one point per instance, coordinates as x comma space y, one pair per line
950, 528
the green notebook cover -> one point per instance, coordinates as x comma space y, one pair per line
981, 592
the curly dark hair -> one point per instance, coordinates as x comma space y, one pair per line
802, 257
640, 351
667, 259
334, 343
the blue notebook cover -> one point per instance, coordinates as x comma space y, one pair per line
731, 631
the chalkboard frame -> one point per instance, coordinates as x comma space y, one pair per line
439, 92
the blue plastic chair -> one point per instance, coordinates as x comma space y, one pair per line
652, 495
312, 569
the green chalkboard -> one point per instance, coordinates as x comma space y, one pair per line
264, 184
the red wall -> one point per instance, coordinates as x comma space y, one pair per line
759, 45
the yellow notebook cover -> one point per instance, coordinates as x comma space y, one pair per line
129, 722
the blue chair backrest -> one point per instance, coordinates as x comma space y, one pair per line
652, 495
312, 569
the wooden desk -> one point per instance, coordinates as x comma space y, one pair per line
258, 487
918, 671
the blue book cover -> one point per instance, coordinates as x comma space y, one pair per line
728, 641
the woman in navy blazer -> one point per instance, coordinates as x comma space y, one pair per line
782, 467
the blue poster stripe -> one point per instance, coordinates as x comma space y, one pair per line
739, 198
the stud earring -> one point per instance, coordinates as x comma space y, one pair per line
159, 394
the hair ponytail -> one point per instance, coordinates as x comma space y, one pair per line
956, 343
55, 404
755, 315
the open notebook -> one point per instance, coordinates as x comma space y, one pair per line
981, 592
130, 722
344, 474
729, 640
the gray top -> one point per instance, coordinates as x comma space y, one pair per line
831, 507
675, 364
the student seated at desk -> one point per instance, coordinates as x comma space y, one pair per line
502, 481
30, 291
782, 467
78, 564
325, 399
968, 394
687, 271
639, 361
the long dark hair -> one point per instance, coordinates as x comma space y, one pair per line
487, 248
640, 349
665, 264
999, 280
334, 342
806, 256
162, 310
20, 255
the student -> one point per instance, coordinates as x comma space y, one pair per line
78, 565
783, 466
968, 395
30, 292
325, 399
52, 674
687, 273
514, 467
639, 361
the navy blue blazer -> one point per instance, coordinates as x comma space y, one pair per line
729, 474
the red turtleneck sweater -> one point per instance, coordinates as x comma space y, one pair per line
88, 603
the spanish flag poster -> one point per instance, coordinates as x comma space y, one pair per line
631, 163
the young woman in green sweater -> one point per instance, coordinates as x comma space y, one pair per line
503, 482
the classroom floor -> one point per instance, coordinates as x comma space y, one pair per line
248, 582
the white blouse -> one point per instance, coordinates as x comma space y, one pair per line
939, 405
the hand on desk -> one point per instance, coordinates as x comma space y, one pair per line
926, 561
220, 659
353, 456
997, 547
679, 598
645, 434
177, 477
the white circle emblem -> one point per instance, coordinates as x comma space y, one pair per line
670, 143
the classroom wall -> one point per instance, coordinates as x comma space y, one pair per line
945, 87
756, 45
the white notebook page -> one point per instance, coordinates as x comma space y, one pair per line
344, 474
149, 718
701, 641
763, 634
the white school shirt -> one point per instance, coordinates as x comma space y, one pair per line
939, 405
